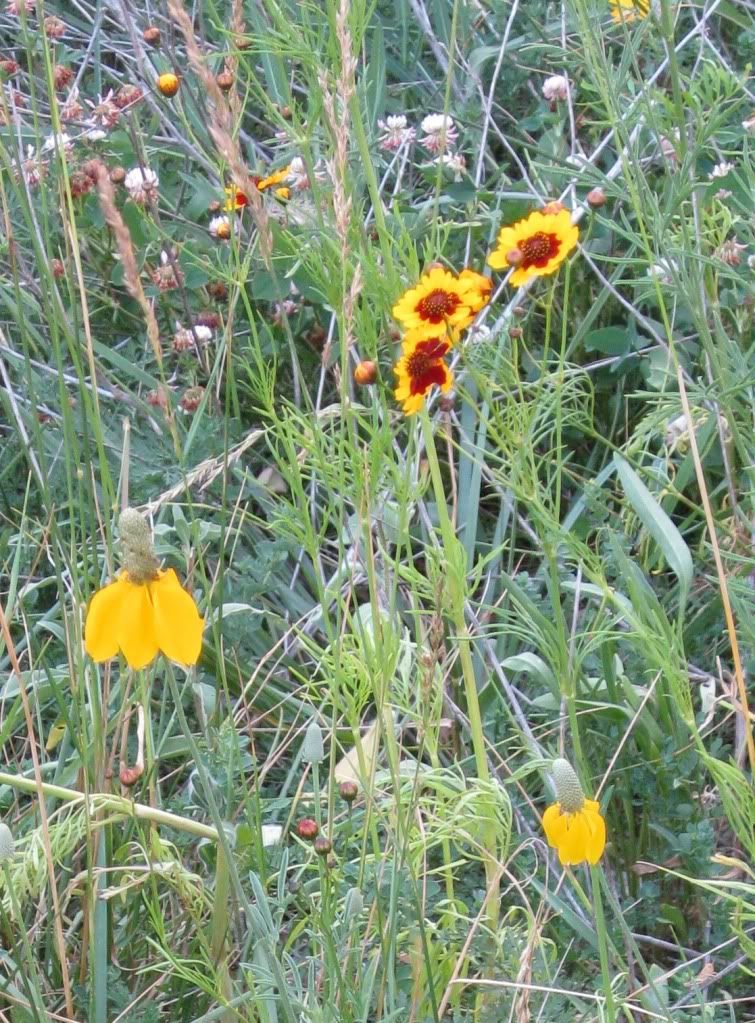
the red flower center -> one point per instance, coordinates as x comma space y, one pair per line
425, 367
538, 249
438, 304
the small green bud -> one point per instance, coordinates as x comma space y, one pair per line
137, 552
7, 845
568, 789
312, 750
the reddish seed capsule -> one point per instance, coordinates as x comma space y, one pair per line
130, 775
58, 269
217, 290
323, 845
307, 829
61, 77
365, 373
151, 35
515, 257
9, 67
225, 81
348, 791
515, 332
596, 198
117, 175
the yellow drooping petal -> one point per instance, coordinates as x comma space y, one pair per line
573, 843
554, 824
101, 629
177, 623
596, 841
136, 626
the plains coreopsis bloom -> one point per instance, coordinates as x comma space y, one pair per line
145, 611
535, 246
141, 184
420, 368
629, 10
395, 132
440, 301
573, 825
721, 170
479, 288
440, 132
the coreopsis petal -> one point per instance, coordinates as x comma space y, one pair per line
421, 368
136, 626
178, 625
629, 10
101, 629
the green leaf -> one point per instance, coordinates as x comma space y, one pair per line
609, 340
658, 524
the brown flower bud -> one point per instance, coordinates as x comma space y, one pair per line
323, 845
515, 332
553, 207
307, 829
117, 175
348, 791
58, 268
519, 310
596, 198
217, 290
447, 402
9, 67
225, 81
130, 775
192, 399
365, 373
208, 318
151, 35
515, 257
286, 112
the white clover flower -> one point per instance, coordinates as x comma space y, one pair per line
297, 176
220, 227
663, 271
440, 132
96, 134
105, 113
184, 337
555, 88
395, 132
141, 184
60, 141
721, 170
31, 169
455, 162
730, 252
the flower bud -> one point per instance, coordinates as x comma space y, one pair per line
323, 846
118, 175
553, 207
515, 332
596, 198
348, 790
365, 373
151, 35
130, 775
7, 845
312, 749
307, 829
515, 257
167, 84
225, 81
568, 788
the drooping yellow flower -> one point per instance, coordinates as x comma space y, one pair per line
145, 611
440, 301
535, 246
629, 10
420, 368
236, 200
168, 84
480, 288
573, 825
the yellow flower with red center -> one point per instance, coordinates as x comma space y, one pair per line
420, 368
629, 10
440, 302
535, 246
145, 611
236, 199
574, 825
